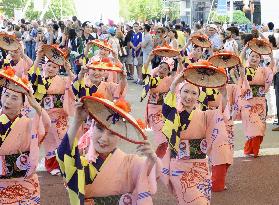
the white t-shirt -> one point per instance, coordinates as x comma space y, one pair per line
231, 46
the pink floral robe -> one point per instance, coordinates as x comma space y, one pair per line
19, 155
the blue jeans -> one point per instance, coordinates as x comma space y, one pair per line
30, 49
33, 50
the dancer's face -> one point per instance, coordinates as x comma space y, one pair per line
163, 70
51, 69
254, 59
12, 102
104, 140
96, 75
189, 95
197, 52
104, 52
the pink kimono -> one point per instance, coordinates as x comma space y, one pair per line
191, 136
252, 106
154, 108
128, 176
58, 115
19, 155
57, 99
21, 67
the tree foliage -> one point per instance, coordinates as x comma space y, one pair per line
147, 9
54, 10
238, 17
9, 5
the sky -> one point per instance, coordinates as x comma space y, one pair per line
270, 11
92, 10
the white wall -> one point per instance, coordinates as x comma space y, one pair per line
270, 12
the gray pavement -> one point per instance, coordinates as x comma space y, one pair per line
250, 181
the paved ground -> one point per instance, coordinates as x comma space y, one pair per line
250, 181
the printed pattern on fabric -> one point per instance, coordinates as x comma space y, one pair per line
250, 73
80, 89
6, 126
187, 61
52, 101
156, 118
205, 188
109, 200
149, 82
174, 123
257, 90
18, 193
258, 110
207, 95
40, 84
76, 170
196, 178
16, 165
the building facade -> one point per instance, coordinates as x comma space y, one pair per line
192, 11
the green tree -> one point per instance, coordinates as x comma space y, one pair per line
141, 9
54, 10
9, 5
238, 17
68, 9
173, 10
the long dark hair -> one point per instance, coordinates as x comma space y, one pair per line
272, 40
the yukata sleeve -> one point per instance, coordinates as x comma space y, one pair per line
69, 98
27, 63
146, 80
171, 121
75, 170
218, 145
38, 83
39, 127
78, 88
144, 176
268, 73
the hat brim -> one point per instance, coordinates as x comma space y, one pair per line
13, 84
106, 68
100, 109
260, 47
101, 45
200, 41
54, 55
224, 60
166, 52
9, 43
205, 76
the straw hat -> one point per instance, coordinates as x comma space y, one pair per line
55, 54
200, 40
106, 64
204, 74
166, 51
115, 117
224, 60
9, 42
9, 80
102, 44
260, 46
